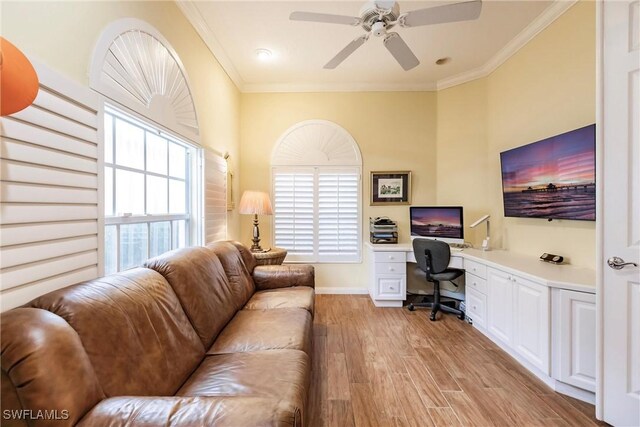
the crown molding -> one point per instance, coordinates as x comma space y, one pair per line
193, 15
546, 18
338, 87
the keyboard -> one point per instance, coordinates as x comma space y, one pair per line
456, 247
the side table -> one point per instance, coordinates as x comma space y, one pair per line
275, 256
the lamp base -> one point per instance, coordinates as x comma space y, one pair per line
255, 247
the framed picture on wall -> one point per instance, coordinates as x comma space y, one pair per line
391, 188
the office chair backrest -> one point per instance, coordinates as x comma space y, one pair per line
440, 254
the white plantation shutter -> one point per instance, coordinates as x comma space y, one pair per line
294, 212
215, 197
317, 213
338, 219
317, 193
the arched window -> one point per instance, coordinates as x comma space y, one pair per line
316, 178
153, 178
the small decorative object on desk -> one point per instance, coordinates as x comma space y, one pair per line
273, 256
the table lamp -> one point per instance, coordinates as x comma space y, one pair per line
255, 203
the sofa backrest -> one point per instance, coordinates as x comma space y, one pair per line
236, 270
44, 368
198, 279
247, 256
133, 330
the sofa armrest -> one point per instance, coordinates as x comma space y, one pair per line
283, 276
178, 411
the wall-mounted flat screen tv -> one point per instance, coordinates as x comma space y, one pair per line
554, 178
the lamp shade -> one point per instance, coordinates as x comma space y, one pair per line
18, 80
255, 202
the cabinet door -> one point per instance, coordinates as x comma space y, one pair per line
500, 305
574, 317
531, 320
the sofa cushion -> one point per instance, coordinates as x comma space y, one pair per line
45, 367
133, 329
178, 411
198, 279
295, 297
254, 330
282, 374
247, 256
236, 270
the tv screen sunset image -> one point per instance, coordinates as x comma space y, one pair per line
553, 178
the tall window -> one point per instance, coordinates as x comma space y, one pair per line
148, 187
316, 180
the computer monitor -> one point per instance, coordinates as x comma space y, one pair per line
438, 223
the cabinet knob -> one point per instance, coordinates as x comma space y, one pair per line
392, 288
391, 257
475, 308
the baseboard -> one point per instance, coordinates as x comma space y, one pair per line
342, 291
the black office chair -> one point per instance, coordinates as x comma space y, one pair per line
433, 257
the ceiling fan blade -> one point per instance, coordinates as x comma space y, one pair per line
344, 53
325, 18
399, 49
465, 11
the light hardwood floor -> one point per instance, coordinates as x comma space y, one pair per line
391, 367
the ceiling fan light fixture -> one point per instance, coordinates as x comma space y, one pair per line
264, 54
443, 61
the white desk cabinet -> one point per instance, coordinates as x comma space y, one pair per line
389, 273
574, 338
500, 305
531, 338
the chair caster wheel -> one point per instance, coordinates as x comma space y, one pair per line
411, 307
461, 316
432, 317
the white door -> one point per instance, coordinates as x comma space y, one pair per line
531, 318
500, 305
620, 288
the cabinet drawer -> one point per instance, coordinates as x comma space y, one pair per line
391, 268
472, 281
456, 262
390, 257
476, 268
391, 287
476, 304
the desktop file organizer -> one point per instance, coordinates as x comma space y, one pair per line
383, 231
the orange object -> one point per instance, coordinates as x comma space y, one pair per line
18, 80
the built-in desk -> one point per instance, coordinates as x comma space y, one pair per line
542, 314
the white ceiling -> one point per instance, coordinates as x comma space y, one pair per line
233, 30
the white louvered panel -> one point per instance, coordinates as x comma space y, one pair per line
29, 213
19, 234
338, 220
40, 193
294, 212
215, 197
19, 295
33, 154
28, 273
23, 254
46, 119
49, 199
21, 131
21, 172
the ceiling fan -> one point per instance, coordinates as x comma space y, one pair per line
376, 17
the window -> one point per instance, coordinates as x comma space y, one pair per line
316, 180
148, 191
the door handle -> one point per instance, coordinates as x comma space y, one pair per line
618, 263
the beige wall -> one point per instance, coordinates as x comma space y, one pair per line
395, 131
63, 35
547, 88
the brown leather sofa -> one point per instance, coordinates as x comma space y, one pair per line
199, 337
